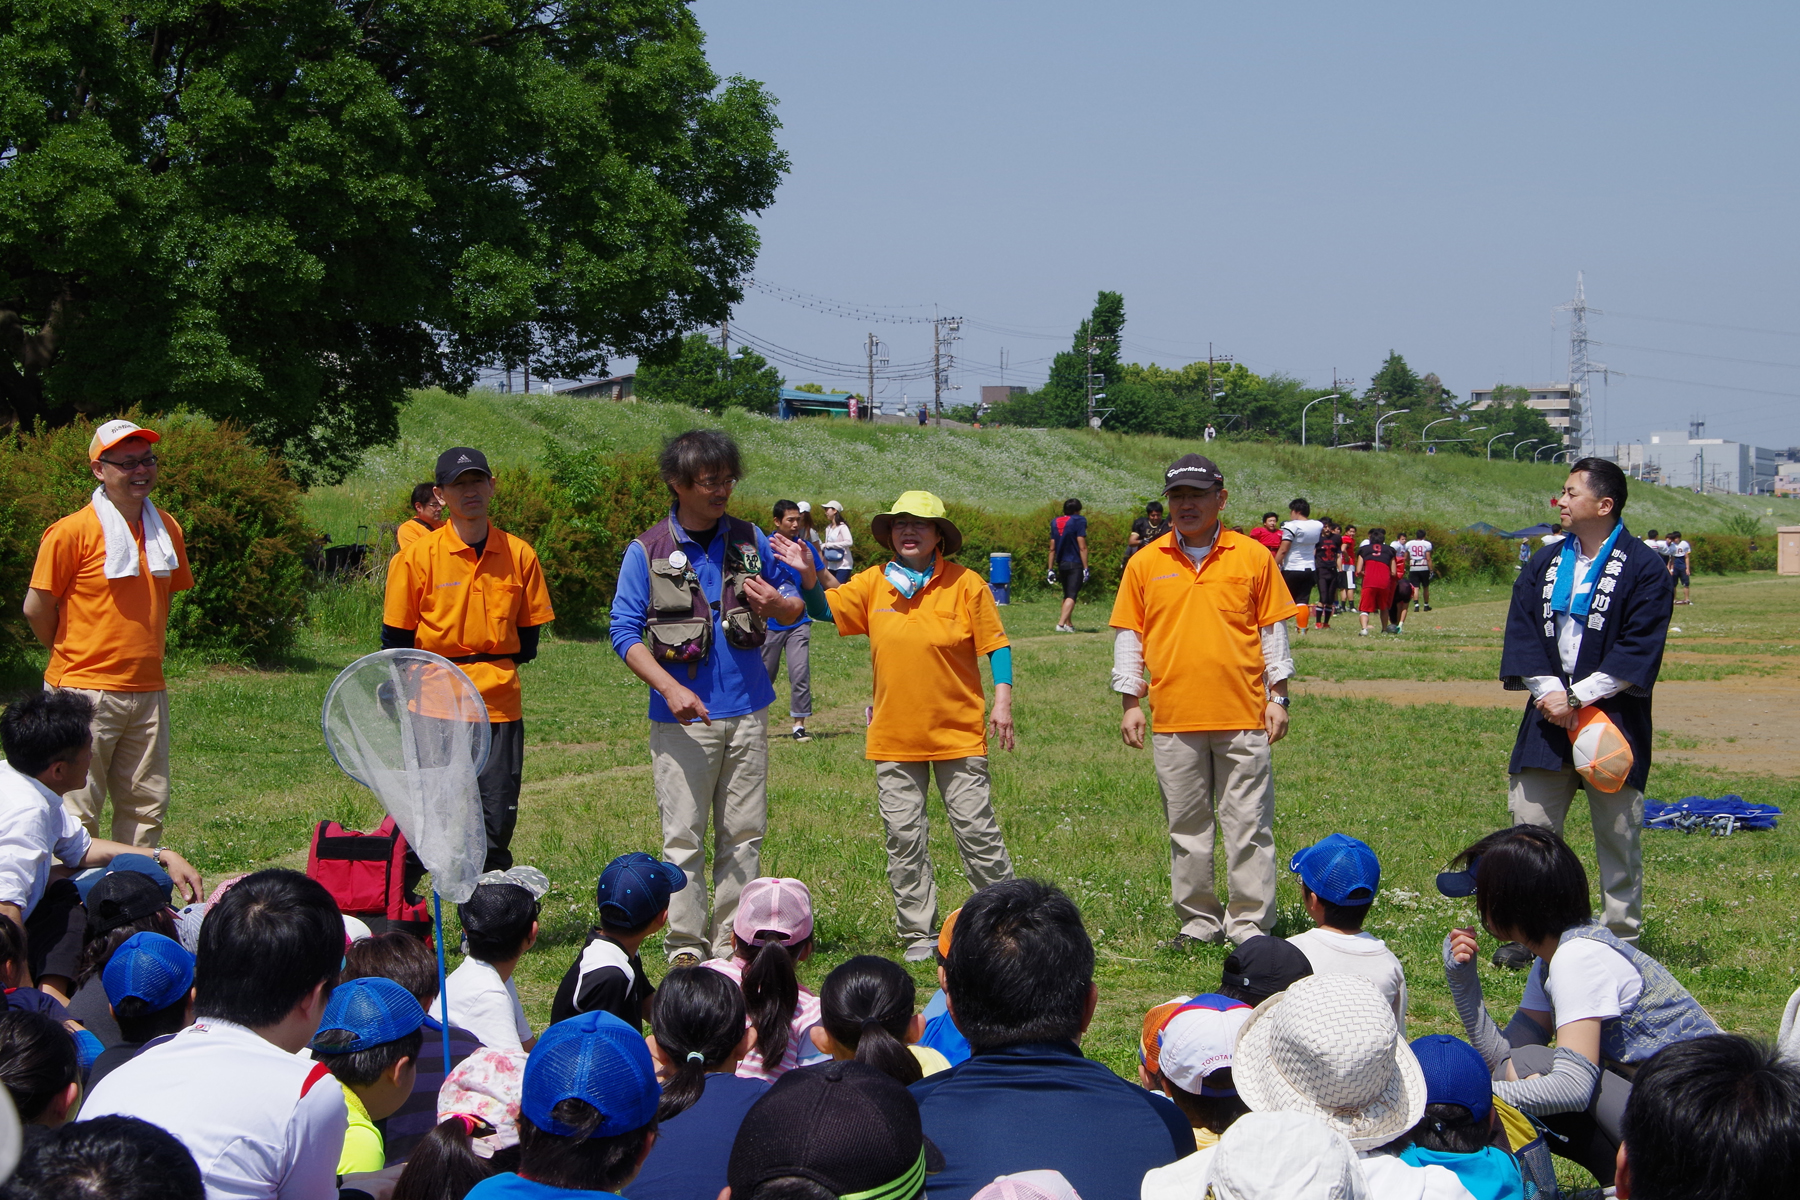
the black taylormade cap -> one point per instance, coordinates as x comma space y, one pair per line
1192, 470
1262, 966
846, 1126
456, 460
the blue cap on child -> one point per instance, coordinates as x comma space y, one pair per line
634, 888
151, 967
1339, 870
1454, 1073
372, 1009
597, 1058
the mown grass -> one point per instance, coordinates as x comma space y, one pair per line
251, 777
1006, 470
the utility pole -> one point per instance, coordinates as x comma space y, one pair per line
876, 349
1212, 359
1095, 416
725, 336
1343, 386
945, 331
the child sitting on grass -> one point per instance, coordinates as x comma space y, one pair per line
149, 982
1459, 1127
369, 1040
38, 1068
866, 1014
772, 933
1185, 1053
500, 923
1339, 877
633, 901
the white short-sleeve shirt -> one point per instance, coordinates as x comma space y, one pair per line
1418, 553
1304, 538
1587, 979
1357, 954
487, 1006
35, 831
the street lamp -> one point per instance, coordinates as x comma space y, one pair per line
1397, 412
1495, 438
1423, 432
1518, 446
1551, 446
1304, 411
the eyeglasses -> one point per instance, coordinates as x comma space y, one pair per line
712, 484
129, 465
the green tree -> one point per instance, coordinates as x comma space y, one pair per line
703, 377
288, 212
1065, 392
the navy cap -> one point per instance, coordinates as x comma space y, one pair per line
1192, 470
150, 967
121, 897
597, 1058
376, 1010
634, 888
1457, 884
1339, 869
456, 460
1454, 1073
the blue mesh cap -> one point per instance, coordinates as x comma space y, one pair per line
376, 1010
151, 967
1339, 869
634, 888
597, 1058
1454, 1074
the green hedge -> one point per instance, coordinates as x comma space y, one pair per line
239, 513
1720, 553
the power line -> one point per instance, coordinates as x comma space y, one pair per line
1697, 324
839, 308
1758, 362
1725, 387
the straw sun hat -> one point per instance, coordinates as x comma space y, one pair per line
917, 504
1329, 1047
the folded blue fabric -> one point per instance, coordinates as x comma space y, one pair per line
1723, 814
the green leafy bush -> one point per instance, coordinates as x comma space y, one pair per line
239, 513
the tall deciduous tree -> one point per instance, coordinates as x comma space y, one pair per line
287, 212
703, 376
1064, 400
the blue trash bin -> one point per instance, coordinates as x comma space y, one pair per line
1000, 576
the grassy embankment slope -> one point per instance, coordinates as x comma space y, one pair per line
1007, 470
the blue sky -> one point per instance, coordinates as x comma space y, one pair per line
1304, 185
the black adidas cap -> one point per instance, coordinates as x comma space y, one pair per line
456, 460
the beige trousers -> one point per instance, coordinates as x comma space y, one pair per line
717, 773
1221, 776
900, 788
131, 764
1538, 797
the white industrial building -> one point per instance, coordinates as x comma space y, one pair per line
1699, 464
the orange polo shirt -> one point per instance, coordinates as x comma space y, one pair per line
928, 699
1200, 628
460, 605
110, 633
410, 531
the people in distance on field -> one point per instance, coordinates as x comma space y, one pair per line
500, 923
1419, 569
866, 1013
1347, 556
698, 1036
1678, 551
1268, 532
1604, 1002
1339, 876
632, 898
1068, 560
1021, 982
1297, 553
794, 638
1147, 528
773, 934
428, 516
839, 543
1378, 564
1326, 557
369, 1039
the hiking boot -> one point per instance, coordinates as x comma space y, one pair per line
921, 951
686, 958
1182, 942
1512, 956
800, 734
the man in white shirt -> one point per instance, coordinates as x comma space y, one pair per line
1676, 550
49, 744
1419, 567
1295, 555
500, 923
262, 1122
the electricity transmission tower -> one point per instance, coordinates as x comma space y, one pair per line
945, 332
1581, 370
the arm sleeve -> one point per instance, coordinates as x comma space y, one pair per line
1597, 686
394, 638
606, 990
19, 857
73, 846
817, 606
528, 643
57, 559
1569, 1087
631, 600
1465, 991
315, 1142
1278, 659
1000, 662
1128, 664
1542, 685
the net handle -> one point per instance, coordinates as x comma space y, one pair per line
437, 920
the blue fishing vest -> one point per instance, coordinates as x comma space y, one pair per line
1664, 1013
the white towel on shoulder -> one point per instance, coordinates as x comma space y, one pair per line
121, 545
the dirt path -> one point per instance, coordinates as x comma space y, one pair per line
1745, 723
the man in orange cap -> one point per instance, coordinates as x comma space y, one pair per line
99, 599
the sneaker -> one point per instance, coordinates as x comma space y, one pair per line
1065, 629
685, 958
1513, 956
1428, 608
921, 951
1182, 942
800, 734
1362, 633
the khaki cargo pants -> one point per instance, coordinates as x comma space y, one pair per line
715, 774
1220, 778
131, 765
901, 789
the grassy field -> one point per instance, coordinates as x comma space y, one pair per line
251, 777
1006, 470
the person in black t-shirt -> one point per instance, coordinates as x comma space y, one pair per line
633, 899
1147, 528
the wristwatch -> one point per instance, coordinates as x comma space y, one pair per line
1281, 700
1573, 699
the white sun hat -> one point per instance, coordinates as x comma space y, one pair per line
1329, 1047
1283, 1156
834, 504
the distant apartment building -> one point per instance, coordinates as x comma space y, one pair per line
1551, 399
615, 388
992, 394
1699, 464
1787, 479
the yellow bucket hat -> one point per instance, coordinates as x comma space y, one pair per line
917, 504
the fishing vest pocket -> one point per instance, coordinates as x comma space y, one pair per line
744, 630
678, 641
671, 589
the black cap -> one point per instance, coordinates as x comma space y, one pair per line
844, 1125
121, 897
1192, 470
456, 460
1262, 966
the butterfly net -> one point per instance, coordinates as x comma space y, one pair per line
411, 727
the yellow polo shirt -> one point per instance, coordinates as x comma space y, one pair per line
929, 704
1200, 627
459, 605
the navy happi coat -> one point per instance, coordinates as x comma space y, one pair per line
1627, 623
